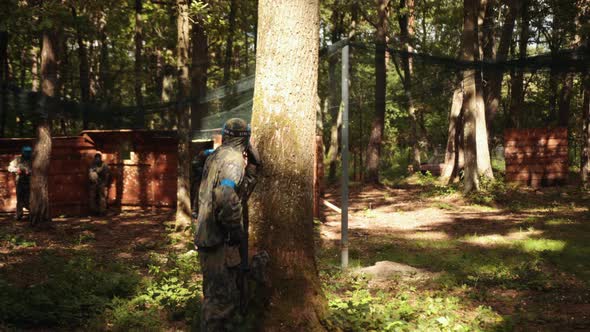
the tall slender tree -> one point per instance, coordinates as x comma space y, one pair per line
229, 47
484, 164
407, 23
39, 200
333, 98
199, 68
84, 69
285, 101
138, 65
378, 124
183, 115
3, 80
454, 150
583, 30
517, 83
470, 107
494, 77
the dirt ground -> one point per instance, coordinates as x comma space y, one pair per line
128, 237
444, 234
526, 258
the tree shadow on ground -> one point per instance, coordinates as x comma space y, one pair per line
526, 258
62, 277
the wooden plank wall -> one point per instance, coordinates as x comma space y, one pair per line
147, 179
68, 178
536, 157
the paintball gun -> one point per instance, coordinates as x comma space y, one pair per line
250, 182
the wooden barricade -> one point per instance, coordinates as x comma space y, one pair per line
143, 166
536, 157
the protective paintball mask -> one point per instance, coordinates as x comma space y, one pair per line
27, 151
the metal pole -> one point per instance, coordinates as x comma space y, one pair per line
344, 227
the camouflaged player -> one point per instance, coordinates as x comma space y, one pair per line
99, 175
21, 167
219, 229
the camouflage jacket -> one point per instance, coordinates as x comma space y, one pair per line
19, 163
99, 175
220, 203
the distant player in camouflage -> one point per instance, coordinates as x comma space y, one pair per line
225, 186
21, 167
99, 175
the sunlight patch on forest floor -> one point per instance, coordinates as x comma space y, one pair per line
518, 255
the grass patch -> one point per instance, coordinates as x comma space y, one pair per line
16, 241
73, 290
355, 307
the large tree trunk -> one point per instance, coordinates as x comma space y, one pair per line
200, 65
484, 164
229, 48
378, 124
138, 79
84, 72
407, 23
39, 199
470, 106
3, 81
333, 99
284, 116
517, 89
183, 116
454, 150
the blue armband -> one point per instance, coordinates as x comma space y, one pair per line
228, 183
208, 152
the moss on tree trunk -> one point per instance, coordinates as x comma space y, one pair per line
284, 125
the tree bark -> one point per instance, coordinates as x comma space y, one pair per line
138, 66
407, 23
469, 40
585, 166
565, 98
39, 199
3, 81
494, 77
378, 124
484, 164
200, 65
104, 75
229, 48
284, 116
517, 88
453, 154
35, 67
583, 23
183, 116
334, 95
84, 71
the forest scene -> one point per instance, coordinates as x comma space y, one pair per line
294, 165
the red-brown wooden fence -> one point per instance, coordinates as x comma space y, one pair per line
536, 157
143, 164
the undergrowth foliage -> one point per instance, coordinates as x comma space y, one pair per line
80, 291
71, 292
354, 306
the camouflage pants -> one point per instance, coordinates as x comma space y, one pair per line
98, 199
220, 267
23, 191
